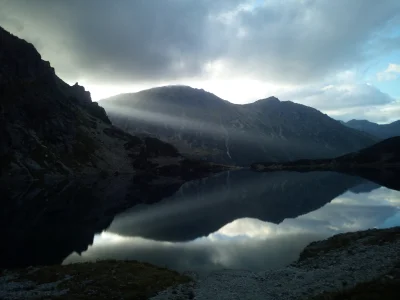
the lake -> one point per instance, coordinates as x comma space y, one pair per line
241, 220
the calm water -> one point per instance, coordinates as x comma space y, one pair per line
244, 220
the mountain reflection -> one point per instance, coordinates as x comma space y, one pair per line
257, 236
202, 207
237, 219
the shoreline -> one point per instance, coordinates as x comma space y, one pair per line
344, 263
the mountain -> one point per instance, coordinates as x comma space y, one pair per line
383, 131
49, 129
200, 124
379, 163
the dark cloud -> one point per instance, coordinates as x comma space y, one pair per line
120, 40
148, 41
300, 41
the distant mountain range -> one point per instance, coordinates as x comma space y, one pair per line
379, 163
202, 125
383, 131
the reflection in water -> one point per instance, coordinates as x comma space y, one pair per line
245, 220
43, 222
202, 207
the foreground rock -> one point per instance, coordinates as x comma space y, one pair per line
326, 270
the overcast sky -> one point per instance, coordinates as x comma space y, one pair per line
341, 56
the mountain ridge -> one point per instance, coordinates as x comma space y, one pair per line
382, 131
202, 124
379, 163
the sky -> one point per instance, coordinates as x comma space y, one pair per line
341, 57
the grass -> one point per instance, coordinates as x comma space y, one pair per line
106, 279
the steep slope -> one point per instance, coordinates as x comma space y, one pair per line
201, 124
49, 129
383, 131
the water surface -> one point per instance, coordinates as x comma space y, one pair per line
244, 220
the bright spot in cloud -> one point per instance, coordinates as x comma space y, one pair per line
391, 73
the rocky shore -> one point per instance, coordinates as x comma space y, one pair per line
361, 264
364, 264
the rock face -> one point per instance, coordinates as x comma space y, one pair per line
383, 131
49, 129
201, 124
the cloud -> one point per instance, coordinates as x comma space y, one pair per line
376, 113
391, 73
168, 40
119, 40
339, 96
305, 40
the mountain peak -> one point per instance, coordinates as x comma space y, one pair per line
360, 121
269, 100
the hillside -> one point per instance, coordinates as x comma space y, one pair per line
202, 125
50, 130
379, 163
382, 131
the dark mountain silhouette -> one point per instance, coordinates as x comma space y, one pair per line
51, 130
204, 206
200, 124
383, 131
379, 163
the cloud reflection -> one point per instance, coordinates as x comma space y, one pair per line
253, 244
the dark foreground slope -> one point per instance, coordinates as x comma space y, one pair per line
203, 125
